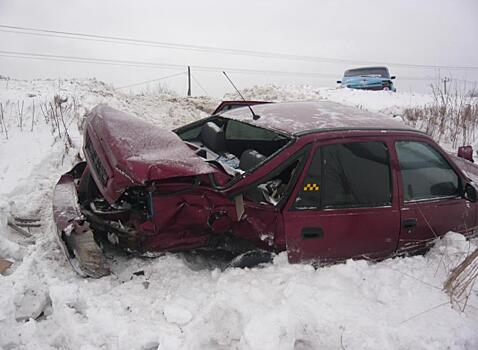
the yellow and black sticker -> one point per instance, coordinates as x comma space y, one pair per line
312, 187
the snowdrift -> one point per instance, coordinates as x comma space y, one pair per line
176, 302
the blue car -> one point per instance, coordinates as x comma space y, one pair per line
368, 78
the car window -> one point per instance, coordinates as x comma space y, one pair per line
425, 172
274, 187
367, 72
236, 130
348, 175
191, 132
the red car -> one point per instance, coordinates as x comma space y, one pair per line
322, 181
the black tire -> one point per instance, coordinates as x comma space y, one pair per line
251, 259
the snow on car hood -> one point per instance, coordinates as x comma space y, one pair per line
141, 150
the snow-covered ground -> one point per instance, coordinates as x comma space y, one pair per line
377, 101
171, 304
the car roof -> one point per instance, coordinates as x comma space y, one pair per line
299, 118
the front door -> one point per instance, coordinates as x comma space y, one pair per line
345, 204
431, 196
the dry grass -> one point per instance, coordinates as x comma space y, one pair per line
3, 126
58, 113
459, 284
452, 116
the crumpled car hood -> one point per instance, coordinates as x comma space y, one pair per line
142, 151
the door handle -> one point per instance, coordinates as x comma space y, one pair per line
312, 233
409, 223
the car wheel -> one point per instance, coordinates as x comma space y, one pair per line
251, 258
386, 88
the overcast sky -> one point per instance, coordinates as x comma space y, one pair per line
431, 32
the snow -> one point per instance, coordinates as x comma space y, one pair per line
387, 102
297, 117
171, 303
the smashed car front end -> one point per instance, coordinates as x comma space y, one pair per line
148, 190
113, 194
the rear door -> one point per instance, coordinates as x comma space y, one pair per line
345, 203
430, 191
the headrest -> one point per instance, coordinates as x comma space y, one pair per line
250, 158
212, 136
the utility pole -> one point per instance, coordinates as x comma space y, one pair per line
189, 81
445, 80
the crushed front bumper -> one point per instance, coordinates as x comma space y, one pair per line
74, 233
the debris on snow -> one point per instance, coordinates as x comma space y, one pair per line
5, 265
18, 224
31, 304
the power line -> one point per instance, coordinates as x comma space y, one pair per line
203, 48
145, 64
150, 81
79, 59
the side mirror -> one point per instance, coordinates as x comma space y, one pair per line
466, 152
471, 193
392, 77
339, 81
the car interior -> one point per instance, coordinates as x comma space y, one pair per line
240, 147
236, 146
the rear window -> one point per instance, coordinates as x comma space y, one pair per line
236, 130
367, 72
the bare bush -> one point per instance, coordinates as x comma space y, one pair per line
58, 114
2, 120
20, 114
33, 114
452, 116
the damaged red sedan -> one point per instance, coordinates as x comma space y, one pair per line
320, 180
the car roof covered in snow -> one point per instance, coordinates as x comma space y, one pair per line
299, 118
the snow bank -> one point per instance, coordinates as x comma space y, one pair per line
171, 304
386, 102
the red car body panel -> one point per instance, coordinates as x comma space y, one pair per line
134, 152
379, 225
436, 217
192, 202
382, 227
